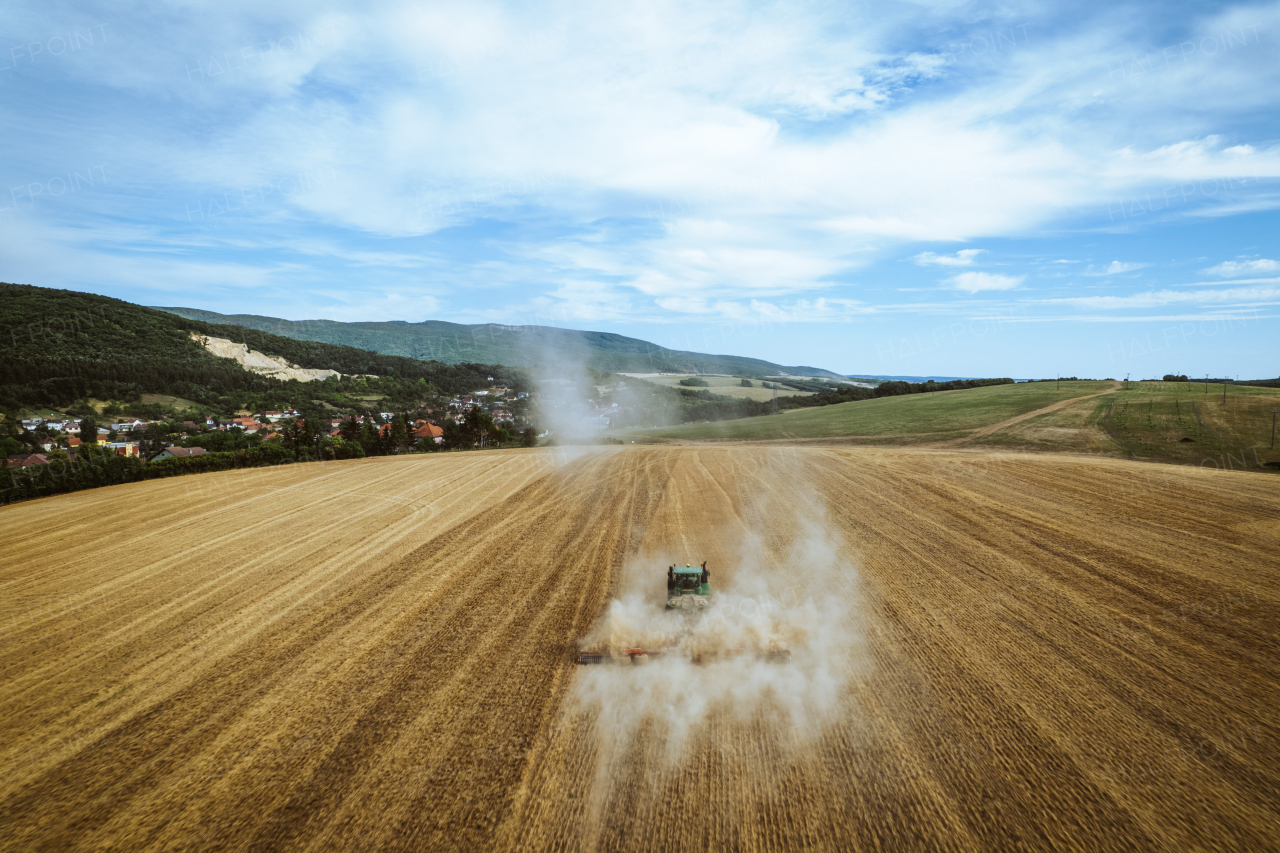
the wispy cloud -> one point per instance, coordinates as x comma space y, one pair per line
1232, 268
962, 258
756, 310
1114, 268
974, 282
1242, 296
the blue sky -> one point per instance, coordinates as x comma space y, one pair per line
908, 188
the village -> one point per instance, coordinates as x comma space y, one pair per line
52, 438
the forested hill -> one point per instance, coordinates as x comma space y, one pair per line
60, 346
525, 346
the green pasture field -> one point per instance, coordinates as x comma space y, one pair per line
1171, 421
730, 386
913, 418
1155, 421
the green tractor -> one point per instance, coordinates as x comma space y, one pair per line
688, 591
688, 587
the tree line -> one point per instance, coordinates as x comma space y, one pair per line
305, 440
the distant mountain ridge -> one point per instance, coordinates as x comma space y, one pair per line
494, 343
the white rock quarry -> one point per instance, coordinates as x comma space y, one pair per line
256, 362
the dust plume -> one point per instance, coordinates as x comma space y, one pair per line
568, 401
796, 591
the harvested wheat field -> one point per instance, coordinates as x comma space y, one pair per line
990, 652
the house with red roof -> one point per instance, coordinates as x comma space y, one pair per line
22, 460
430, 431
179, 453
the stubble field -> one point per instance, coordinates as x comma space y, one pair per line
990, 651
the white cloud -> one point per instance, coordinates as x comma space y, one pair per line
755, 310
1230, 268
737, 153
1114, 268
962, 258
973, 282
1241, 296
589, 115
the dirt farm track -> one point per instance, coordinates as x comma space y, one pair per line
990, 652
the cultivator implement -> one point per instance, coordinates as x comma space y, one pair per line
641, 656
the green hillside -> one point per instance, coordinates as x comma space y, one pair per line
524, 346
1157, 421
61, 348
1187, 423
917, 418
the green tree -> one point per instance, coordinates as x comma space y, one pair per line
528, 437
29, 440
88, 430
294, 435
154, 438
316, 430
478, 425
10, 443
746, 383
454, 435
399, 435
312, 410
369, 437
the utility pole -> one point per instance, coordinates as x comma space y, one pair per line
1273, 429
1206, 385
775, 398
1224, 391
1058, 387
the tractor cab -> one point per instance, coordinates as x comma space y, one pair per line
688, 586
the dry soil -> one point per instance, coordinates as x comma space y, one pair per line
1034, 652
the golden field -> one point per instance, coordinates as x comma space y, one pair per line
991, 651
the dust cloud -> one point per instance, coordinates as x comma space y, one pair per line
796, 592
567, 398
